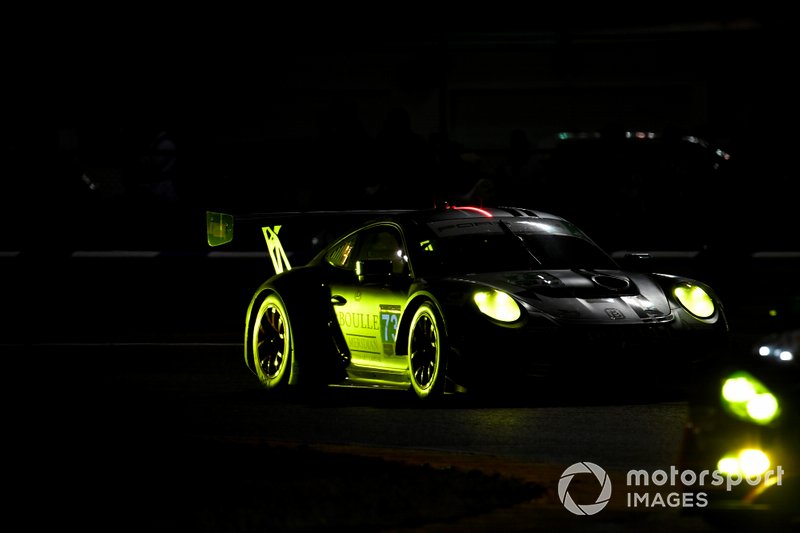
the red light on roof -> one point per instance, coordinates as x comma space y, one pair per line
483, 212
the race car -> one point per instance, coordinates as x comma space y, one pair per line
464, 298
744, 423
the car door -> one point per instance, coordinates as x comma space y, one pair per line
370, 297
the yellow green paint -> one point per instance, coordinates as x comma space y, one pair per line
276, 252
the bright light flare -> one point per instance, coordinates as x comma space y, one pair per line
694, 299
497, 305
749, 399
749, 462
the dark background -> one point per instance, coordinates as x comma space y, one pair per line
295, 108
123, 126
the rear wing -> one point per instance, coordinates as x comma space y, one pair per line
219, 228
219, 231
295, 235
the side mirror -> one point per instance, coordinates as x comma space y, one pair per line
636, 260
636, 256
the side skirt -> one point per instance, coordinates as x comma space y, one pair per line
362, 376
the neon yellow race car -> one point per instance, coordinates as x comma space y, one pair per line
467, 298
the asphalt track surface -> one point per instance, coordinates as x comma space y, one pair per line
116, 383
93, 424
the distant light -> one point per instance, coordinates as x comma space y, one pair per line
747, 398
640, 135
728, 465
764, 351
762, 407
753, 462
749, 462
628, 135
695, 140
738, 390
88, 181
786, 355
564, 135
773, 312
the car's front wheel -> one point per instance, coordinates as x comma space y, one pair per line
271, 343
426, 354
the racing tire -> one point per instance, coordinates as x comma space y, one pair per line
426, 353
271, 344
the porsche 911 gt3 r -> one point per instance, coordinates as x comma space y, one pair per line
462, 298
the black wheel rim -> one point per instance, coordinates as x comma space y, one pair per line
424, 347
271, 341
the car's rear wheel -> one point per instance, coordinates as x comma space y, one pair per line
272, 346
426, 354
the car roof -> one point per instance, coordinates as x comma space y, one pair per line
450, 212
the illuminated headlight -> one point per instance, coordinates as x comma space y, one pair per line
497, 305
749, 462
694, 299
748, 399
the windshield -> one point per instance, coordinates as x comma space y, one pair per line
511, 245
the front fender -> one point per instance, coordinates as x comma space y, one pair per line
414, 301
718, 321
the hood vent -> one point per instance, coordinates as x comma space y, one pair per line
601, 286
613, 283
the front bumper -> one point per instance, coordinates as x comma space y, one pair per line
488, 353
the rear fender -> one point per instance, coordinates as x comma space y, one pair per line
308, 305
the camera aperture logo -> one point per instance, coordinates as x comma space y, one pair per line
684, 484
584, 468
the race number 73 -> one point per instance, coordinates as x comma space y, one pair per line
389, 322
